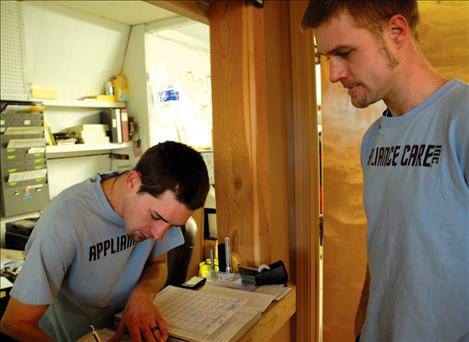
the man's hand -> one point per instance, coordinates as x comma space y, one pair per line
141, 318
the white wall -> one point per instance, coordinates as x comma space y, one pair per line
183, 63
72, 52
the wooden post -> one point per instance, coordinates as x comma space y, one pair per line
265, 142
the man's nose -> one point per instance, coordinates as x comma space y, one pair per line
159, 229
337, 70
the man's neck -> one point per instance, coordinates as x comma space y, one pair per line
418, 81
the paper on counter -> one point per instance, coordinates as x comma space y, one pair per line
5, 283
256, 300
278, 291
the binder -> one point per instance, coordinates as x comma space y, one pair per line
125, 125
112, 118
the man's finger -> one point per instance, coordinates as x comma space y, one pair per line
148, 334
134, 334
157, 333
162, 327
119, 333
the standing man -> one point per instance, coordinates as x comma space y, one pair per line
100, 248
415, 161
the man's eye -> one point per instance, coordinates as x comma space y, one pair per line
155, 217
344, 54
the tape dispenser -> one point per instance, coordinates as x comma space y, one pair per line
274, 273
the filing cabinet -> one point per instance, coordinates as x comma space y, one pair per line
24, 185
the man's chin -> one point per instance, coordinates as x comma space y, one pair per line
361, 102
136, 237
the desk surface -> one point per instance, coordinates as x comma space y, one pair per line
11, 254
276, 315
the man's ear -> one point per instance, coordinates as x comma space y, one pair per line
397, 29
134, 180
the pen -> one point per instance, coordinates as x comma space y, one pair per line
228, 254
95, 334
212, 260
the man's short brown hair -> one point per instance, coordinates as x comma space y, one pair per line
369, 14
177, 167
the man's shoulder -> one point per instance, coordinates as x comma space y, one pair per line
458, 90
71, 199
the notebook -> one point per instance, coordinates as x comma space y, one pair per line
212, 315
202, 316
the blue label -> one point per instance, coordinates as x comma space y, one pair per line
169, 95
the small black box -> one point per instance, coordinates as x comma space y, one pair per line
18, 232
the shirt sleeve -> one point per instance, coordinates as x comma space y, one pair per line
49, 253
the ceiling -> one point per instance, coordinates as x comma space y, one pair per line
126, 12
139, 12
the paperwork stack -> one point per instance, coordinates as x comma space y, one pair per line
91, 134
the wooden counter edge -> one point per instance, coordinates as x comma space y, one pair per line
273, 318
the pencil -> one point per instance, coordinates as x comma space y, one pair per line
95, 334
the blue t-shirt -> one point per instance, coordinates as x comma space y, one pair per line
416, 194
81, 262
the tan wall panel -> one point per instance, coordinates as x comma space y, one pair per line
344, 218
444, 36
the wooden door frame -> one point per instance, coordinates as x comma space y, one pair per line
303, 182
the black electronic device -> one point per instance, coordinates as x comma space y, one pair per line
17, 233
194, 283
274, 273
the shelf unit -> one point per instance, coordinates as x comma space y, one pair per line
64, 151
83, 104
61, 149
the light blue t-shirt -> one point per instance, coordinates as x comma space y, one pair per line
416, 194
81, 262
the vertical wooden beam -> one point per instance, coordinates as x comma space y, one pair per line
265, 142
305, 207
240, 129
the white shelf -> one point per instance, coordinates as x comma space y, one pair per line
59, 150
83, 104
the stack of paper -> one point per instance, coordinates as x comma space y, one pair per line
92, 134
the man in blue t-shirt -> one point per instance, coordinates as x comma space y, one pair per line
100, 248
415, 161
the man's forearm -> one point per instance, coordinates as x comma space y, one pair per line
21, 321
152, 280
25, 333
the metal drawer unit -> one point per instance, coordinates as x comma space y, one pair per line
24, 186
